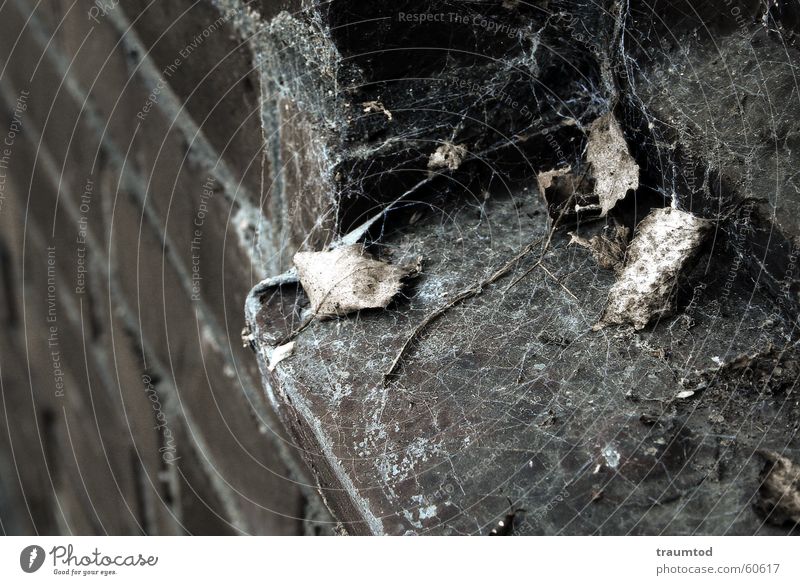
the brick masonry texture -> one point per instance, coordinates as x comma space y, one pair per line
132, 227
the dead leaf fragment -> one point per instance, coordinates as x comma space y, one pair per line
614, 169
279, 354
608, 248
376, 106
565, 191
664, 243
546, 178
447, 156
779, 495
345, 280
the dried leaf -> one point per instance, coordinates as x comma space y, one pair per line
608, 248
614, 169
779, 496
344, 280
545, 178
279, 354
376, 106
565, 192
665, 241
447, 156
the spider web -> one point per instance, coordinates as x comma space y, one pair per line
510, 395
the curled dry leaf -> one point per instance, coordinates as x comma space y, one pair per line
665, 241
546, 178
279, 354
614, 169
447, 156
608, 248
779, 496
345, 280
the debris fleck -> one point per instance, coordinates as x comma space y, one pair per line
509, 523
248, 339
664, 243
685, 394
376, 107
611, 455
447, 156
427, 512
614, 169
769, 369
608, 248
779, 496
279, 354
345, 280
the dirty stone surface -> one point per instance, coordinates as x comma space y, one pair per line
510, 400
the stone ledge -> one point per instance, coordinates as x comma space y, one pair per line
512, 395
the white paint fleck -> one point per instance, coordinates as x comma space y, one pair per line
611, 455
427, 512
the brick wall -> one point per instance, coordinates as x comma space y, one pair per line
137, 211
